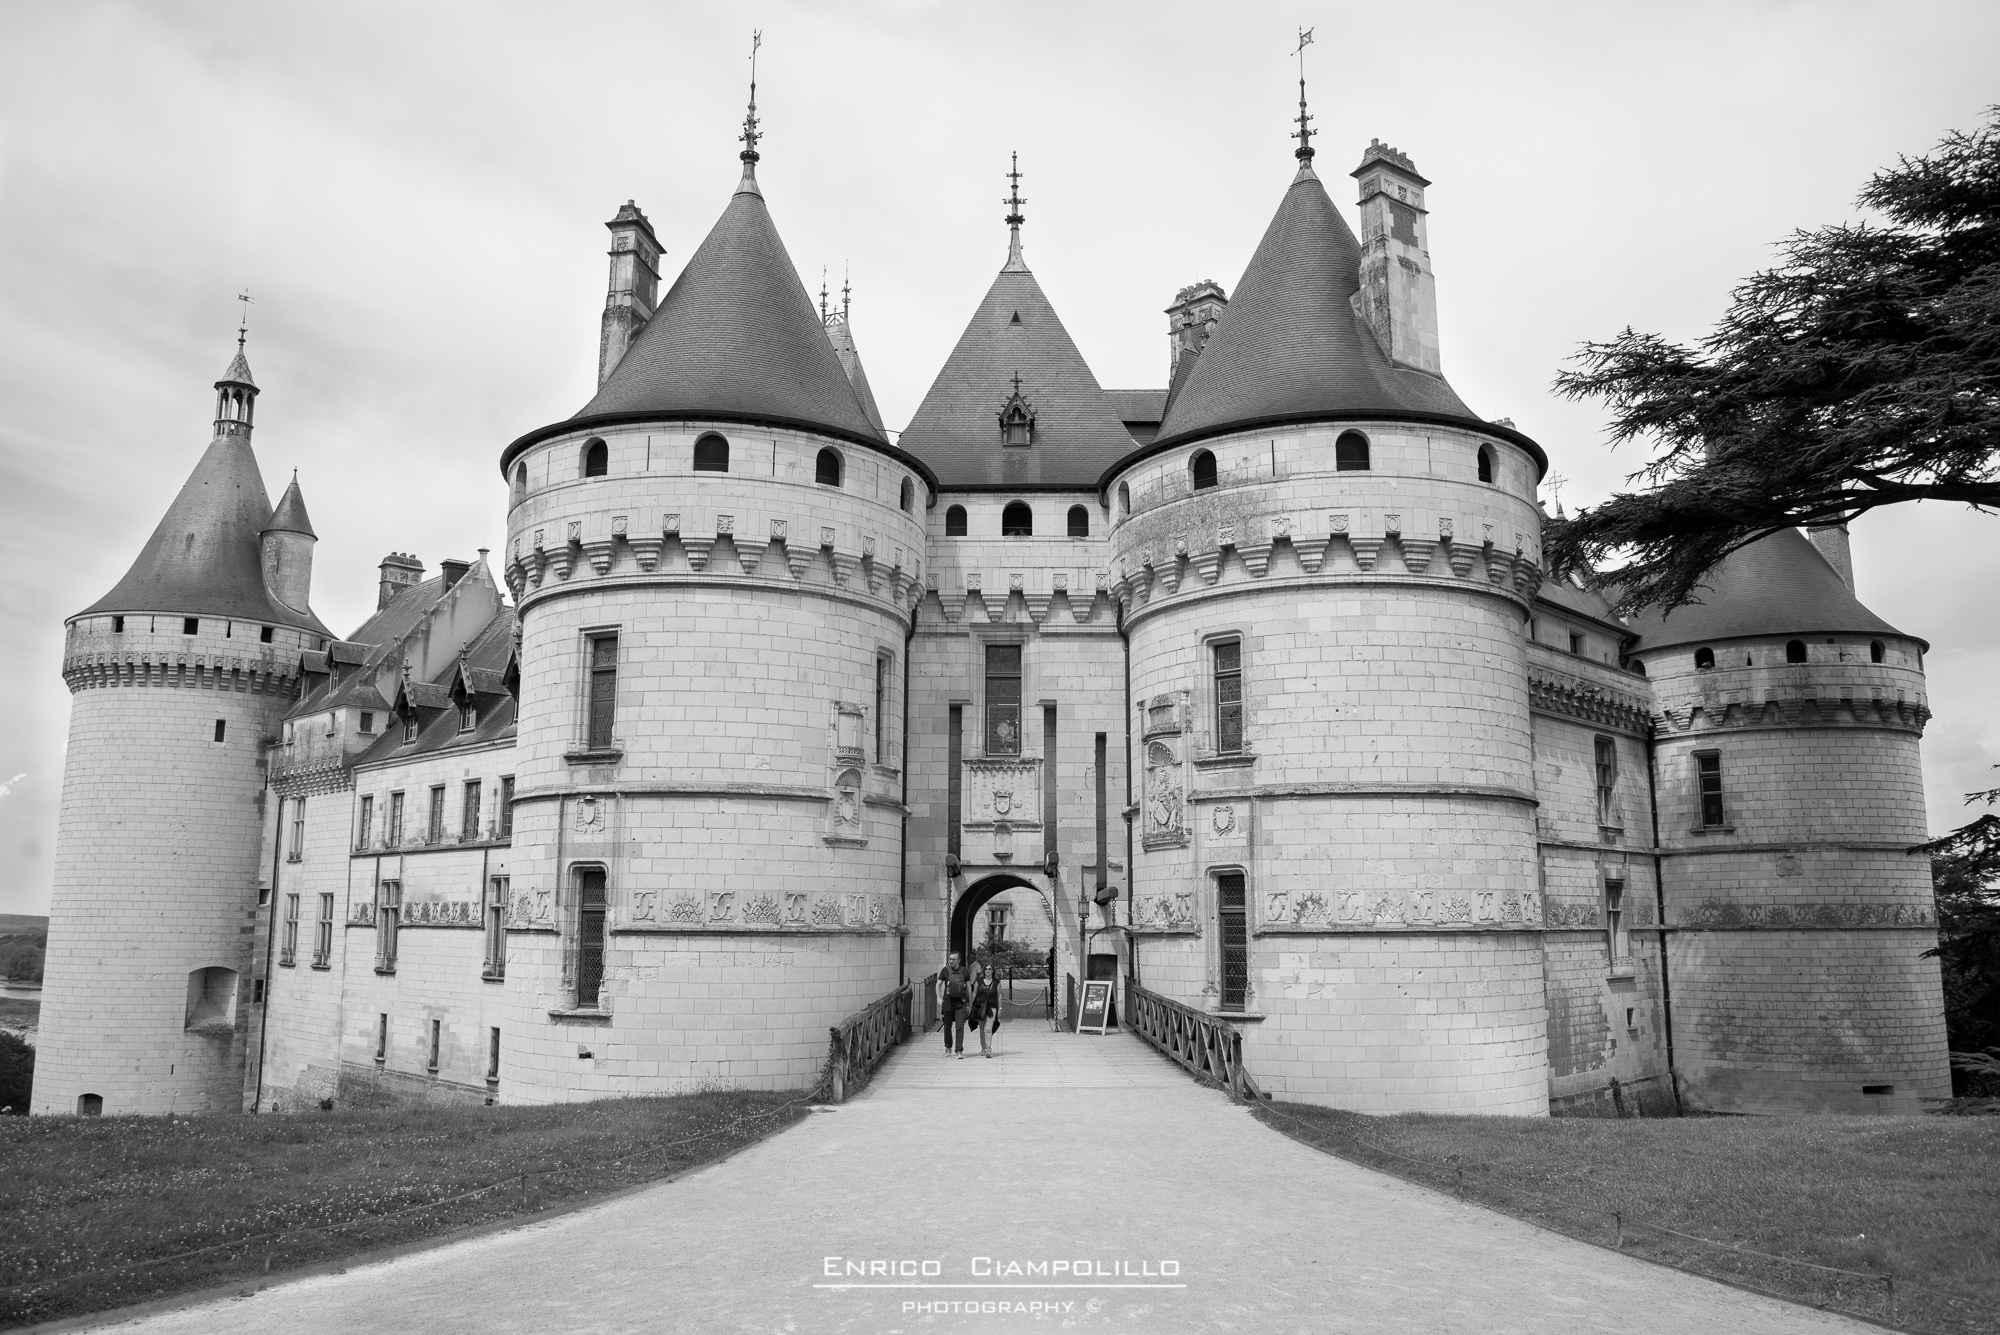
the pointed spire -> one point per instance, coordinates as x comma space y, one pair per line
846, 292
290, 516
750, 135
1014, 220
1304, 133
236, 392
822, 294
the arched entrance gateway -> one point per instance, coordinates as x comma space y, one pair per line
966, 931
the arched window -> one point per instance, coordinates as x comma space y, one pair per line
1202, 469
1017, 520
954, 522
827, 470
520, 481
907, 496
1350, 453
1125, 499
1704, 659
1079, 522
1876, 652
596, 458
1795, 651
711, 454
1485, 464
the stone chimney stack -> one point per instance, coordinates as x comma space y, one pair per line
400, 571
1398, 296
1190, 320
453, 570
635, 286
1831, 542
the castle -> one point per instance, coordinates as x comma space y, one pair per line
1248, 691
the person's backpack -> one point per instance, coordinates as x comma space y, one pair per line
955, 989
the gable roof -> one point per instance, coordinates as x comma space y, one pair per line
206, 558
956, 430
1290, 345
1778, 585
736, 338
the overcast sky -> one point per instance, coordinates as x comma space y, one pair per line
415, 195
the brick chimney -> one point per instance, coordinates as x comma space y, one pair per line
635, 286
1398, 296
400, 571
453, 570
1190, 320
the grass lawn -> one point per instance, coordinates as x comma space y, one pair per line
82, 1195
1913, 1197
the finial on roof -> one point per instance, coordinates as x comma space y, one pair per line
1014, 216
750, 135
243, 325
846, 292
1304, 133
822, 294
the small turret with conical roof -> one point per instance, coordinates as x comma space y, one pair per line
288, 541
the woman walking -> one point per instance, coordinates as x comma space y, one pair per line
986, 1008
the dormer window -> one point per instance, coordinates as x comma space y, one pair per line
468, 716
1017, 418
368, 720
410, 728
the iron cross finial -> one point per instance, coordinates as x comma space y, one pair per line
1304, 133
750, 135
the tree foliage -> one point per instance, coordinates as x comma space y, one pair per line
17, 1073
1862, 371
1965, 870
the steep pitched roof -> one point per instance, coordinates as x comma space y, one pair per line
205, 558
956, 430
1290, 345
840, 335
1779, 585
737, 338
290, 516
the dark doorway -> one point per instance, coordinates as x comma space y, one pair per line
1026, 988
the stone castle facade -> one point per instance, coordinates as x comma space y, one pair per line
1249, 690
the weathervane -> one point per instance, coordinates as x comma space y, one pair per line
243, 326
749, 135
1304, 134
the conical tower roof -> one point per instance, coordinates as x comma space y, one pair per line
840, 335
1778, 585
1015, 331
290, 516
737, 338
204, 559
1290, 345
238, 371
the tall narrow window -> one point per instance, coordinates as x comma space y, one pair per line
906, 496
589, 937
388, 922
468, 715
520, 482
468, 821
221, 729
393, 836
365, 828
881, 709
298, 845
1708, 784
1017, 520
1103, 810
603, 690
412, 727
1234, 939
1201, 470
711, 454
1350, 453
506, 812
1795, 651
493, 1053
382, 1037
1125, 499
1876, 653
1003, 699
434, 827
118, 625
495, 967
1228, 655
1614, 922
323, 932
437, 1043
1485, 464
954, 748
1607, 781
1079, 522
367, 721
954, 521
596, 459
826, 469
288, 949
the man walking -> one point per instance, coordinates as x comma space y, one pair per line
954, 997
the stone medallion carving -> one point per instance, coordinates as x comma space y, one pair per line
1222, 819
589, 816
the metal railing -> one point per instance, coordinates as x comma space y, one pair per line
857, 1045
1206, 1046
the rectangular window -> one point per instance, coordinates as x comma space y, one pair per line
118, 625
367, 720
996, 926
1708, 785
323, 933
434, 826
190, 625
382, 1037
221, 729
603, 691
468, 716
366, 828
1228, 696
263, 634
881, 711
1607, 781
589, 936
388, 919
493, 1053
1575, 643
1003, 699
496, 929
437, 1042
1233, 936
288, 949
394, 834
298, 848
468, 824
1614, 921
411, 727
506, 812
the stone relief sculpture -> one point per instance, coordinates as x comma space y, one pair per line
1166, 822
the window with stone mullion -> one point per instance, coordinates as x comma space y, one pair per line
1003, 699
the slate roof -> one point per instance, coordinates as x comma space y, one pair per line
1779, 585
1290, 345
358, 655
1138, 405
290, 516
205, 558
840, 334
956, 430
736, 337
1583, 602
485, 660
238, 371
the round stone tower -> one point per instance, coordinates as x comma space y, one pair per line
178, 677
1325, 562
1787, 718
715, 562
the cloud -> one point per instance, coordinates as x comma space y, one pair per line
8, 787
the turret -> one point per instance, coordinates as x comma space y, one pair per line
634, 288
1398, 296
288, 542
